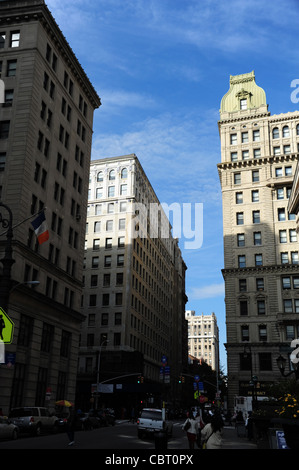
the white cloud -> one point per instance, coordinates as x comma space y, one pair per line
206, 292
115, 99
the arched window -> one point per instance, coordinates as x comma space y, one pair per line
275, 133
285, 131
112, 175
297, 129
124, 173
100, 176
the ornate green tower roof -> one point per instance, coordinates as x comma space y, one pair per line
244, 94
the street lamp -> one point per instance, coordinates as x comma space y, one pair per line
30, 283
98, 369
281, 363
8, 260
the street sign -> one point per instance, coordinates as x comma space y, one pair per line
6, 328
164, 360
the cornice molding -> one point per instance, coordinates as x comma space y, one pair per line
258, 161
282, 268
38, 11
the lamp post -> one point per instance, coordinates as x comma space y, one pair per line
253, 381
7, 261
98, 370
281, 363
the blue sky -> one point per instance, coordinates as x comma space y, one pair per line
161, 68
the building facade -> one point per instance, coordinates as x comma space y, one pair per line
203, 338
259, 153
134, 285
46, 121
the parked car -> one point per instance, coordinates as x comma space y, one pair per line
151, 420
33, 419
8, 430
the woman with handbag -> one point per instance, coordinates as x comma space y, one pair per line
191, 427
211, 434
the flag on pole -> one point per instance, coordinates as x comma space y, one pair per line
40, 227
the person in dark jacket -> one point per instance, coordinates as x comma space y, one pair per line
70, 427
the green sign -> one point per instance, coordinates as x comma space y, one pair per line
6, 328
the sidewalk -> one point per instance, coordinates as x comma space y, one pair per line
230, 440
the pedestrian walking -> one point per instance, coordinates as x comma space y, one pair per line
211, 434
191, 428
71, 425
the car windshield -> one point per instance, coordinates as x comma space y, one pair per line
22, 412
150, 414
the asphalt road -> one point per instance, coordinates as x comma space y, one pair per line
121, 436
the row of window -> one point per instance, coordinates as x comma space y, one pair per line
110, 209
289, 306
279, 173
106, 299
95, 261
111, 191
285, 132
91, 342
68, 84
264, 361
94, 280
25, 336
281, 214
111, 175
281, 193
258, 259
109, 225
13, 39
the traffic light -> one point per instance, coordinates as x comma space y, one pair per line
138, 380
141, 379
180, 379
183, 379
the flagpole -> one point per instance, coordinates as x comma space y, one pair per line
20, 223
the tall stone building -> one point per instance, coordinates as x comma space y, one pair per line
46, 124
203, 338
134, 288
259, 152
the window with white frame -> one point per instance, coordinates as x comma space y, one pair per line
15, 39
285, 131
275, 133
243, 104
256, 136
123, 189
255, 195
111, 191
233, 139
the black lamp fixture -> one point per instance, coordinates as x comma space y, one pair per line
281, 363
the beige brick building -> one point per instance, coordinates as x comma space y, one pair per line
203, 338
45, 143
259, 152
134, 286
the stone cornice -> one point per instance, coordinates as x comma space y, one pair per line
279, 269
258, 161
249, 117
36, 10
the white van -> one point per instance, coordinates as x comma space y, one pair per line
153, 420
